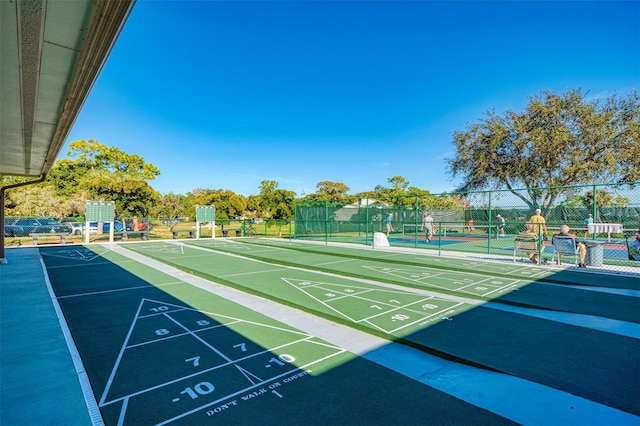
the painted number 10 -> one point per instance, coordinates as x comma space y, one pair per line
202, 388
282, 359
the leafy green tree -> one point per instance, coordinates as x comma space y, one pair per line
574, 201
558, 140
102, 157
330, 191
366, 195
400, 193
108, 173
228, 204
603, 199
621, 202
66, 175
273, 202
172, 206
39, 200
132, 196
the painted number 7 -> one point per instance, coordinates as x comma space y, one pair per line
242, 346
195, 360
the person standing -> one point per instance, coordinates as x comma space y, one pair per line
427, 226
389, 224
587, 221
501, 224
539, 224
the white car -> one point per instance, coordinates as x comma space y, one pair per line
76, 227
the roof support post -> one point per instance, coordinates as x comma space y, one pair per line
3, 189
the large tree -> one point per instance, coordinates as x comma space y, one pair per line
108, 173
228, 204
330, 191
559, 140
272, 202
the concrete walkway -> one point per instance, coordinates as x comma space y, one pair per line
40, 382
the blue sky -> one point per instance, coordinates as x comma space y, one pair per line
224, 95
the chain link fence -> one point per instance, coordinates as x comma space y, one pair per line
605, 217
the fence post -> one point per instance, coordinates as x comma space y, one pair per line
418, 221
326, 222
490, 224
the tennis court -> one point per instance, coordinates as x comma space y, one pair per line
249, 331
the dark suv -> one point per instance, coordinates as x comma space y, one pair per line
25, 226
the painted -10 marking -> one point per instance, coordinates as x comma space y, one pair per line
205, 388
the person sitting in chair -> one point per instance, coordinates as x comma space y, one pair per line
531, 237
634, 247
582, 247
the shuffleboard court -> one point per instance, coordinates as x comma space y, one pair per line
460, 282
516, 270
465, 264
579, 360
160, 351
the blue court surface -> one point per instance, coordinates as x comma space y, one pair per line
269, 332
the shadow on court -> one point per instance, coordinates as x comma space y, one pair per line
157, 350
600, 366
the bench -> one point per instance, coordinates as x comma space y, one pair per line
225, 232
453, 228
175, 232
144, 235
62, 235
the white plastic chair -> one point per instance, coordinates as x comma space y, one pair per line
563, 244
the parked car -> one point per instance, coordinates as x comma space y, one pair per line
76, 227
76, 224
9, 229
25, 226
117, 227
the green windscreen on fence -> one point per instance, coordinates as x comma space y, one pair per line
477, 211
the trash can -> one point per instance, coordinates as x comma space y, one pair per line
595, 253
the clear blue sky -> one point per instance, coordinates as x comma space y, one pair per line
224, 95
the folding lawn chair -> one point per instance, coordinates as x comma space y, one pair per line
564, 245
525, 245
634, 253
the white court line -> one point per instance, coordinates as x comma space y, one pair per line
70, 296
196, 374
83, 379
335, 262
229, 361
302, 368
240, 274
605, 324
435, 273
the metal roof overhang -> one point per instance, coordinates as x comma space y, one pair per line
51, 53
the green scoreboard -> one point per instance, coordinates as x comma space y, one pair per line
205, 213
100, 211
